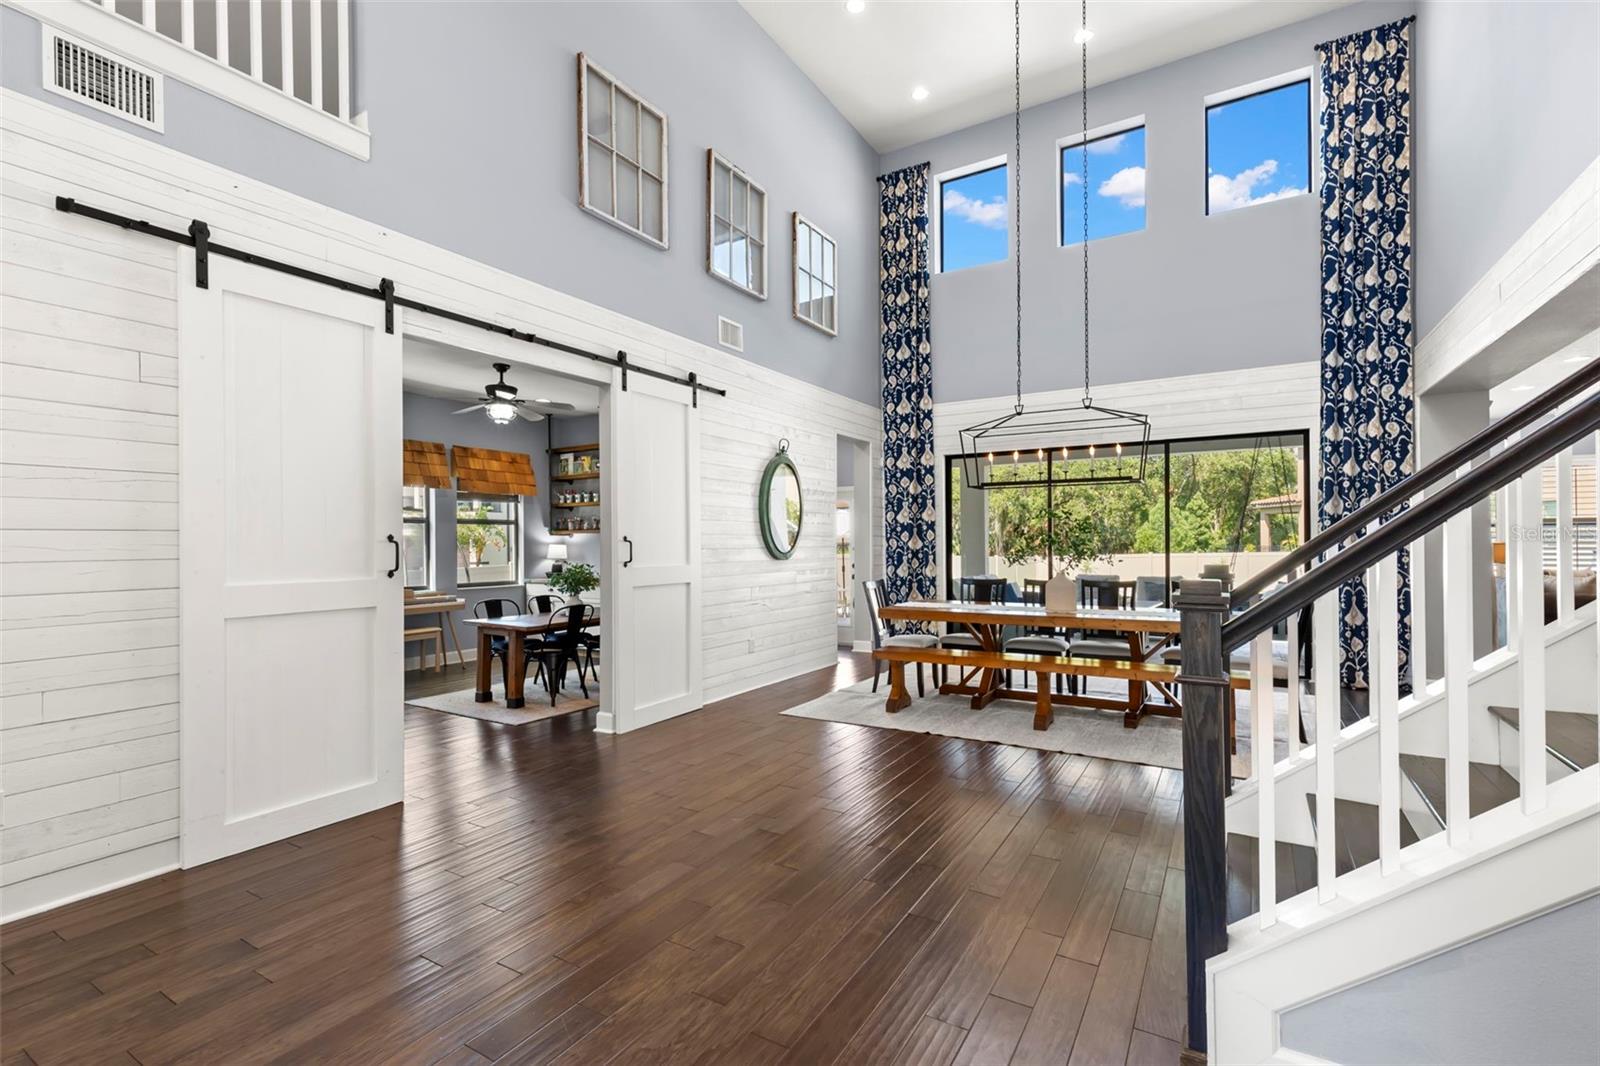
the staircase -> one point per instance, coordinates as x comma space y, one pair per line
1416, 823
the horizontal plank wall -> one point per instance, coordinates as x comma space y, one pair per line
102, 471
88, 553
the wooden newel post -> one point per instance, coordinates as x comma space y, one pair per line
1202, 605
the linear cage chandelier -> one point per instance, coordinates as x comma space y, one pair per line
1077, 444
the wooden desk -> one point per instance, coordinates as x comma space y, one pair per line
515, 628
986, 621
442, 607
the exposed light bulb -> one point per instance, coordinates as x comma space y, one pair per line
501, 413
920, 93
1091, 451
855, 7
1083, 36
1119, 447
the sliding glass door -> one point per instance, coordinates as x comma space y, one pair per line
1236, 503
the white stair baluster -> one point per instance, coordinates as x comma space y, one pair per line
1383, 683
257, 65
1292, 679
286, 43
342, 48
1418, 649
1458, 657
316, 53
147, 14
186, 22
1262, 761
222, 32
1325, 676
1564, 562
1529, 631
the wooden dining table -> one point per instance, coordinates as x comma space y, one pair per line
516, 628
1148, 631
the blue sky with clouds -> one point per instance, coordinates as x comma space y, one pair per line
1259, 150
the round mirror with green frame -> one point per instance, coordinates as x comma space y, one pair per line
781, 506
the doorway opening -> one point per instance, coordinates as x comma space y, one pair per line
852, 541
500, 509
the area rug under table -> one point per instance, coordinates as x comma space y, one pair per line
1076, 730
538, 707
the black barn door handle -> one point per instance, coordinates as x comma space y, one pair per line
396, 544
629, 542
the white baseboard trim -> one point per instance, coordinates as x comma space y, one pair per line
862, 645
46, 893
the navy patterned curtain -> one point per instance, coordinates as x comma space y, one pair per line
909, 501
1367, 397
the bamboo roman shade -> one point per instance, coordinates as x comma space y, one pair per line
426, 465
486, 471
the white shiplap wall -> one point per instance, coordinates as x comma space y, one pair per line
89, 451
88, 552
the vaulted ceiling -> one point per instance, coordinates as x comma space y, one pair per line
960, 51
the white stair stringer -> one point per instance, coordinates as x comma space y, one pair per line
1570, 665
1514, 866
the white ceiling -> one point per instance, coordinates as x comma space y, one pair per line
433, 369
961, 51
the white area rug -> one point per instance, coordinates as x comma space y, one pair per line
1076, 730
538, 707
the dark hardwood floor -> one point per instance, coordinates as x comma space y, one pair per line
729, 887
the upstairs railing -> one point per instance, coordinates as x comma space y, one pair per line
1368, 544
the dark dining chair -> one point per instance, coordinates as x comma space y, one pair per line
543, 602
563, 647
884, 637
971, 590
1039, 640
498, 607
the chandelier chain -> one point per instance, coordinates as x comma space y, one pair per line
1016, 197
1083, 150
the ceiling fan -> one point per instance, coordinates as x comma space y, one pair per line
500, 402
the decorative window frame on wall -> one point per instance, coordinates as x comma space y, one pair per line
614, 156
818, 244
936, 185
1211, 101
756, 238
1099, 133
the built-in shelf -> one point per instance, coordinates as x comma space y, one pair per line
571, 532
576, 448
562, 513
586, 503
593, 475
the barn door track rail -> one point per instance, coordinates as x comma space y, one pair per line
199, 238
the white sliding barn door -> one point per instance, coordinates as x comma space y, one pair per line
653, 621
289, 457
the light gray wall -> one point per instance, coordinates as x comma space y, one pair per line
1189, 293
430, 418
473, 117
1524, 994
1508, 115
846, 462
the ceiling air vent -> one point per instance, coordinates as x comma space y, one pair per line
101, 79
730, 334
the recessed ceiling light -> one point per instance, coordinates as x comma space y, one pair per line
1083, 36
855, 7
920, 93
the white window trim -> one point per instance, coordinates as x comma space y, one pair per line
936, 211
584, 66
1228, 96
138, 44
1072, 140
713, 157
794, 272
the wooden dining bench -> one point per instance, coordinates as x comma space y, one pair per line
995, 663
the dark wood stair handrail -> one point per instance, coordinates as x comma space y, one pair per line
1396, 495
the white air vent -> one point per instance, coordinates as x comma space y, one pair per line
101, 79
730, 334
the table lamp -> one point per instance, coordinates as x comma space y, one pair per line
557, 555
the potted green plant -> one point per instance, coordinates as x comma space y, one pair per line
574, 580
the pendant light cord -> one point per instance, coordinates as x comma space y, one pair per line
1083, 150
1016, 197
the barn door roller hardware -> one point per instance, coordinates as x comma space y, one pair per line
199, 238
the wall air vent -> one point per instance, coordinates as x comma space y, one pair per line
730, 334
101, 79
